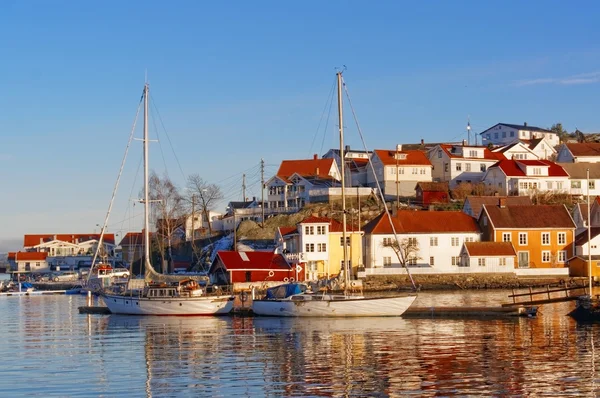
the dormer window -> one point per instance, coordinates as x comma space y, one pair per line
401, 156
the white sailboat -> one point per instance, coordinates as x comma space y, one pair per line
292, 300
172, 296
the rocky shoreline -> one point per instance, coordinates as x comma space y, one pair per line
466, 282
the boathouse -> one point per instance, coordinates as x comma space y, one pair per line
231, 267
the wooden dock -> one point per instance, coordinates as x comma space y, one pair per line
33, 293
99, 310
558, 295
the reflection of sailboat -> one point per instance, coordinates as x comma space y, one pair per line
184, 297
292, 300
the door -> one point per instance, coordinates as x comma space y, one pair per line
523, 259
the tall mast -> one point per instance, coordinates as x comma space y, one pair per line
146, 193
589, 232
343, 172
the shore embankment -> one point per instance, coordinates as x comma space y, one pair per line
380, 283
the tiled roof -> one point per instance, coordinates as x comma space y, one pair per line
305, 168
30, 256
388, 157
582, 238
421, 222
11, 255
579, 170
487, 153
256, 260
584, 149
530, 217
34, 240
283, 231
485, 249
477, 201
511, 168
427, 186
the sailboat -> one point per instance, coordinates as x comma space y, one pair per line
165, 294
293, 300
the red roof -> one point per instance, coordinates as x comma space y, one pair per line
233, 260
334, 225
11, 255
388, 157
306, 168
34, 240
584, 149
528, 217
484, 249
31, 256
283, 231
409, 221
511, 168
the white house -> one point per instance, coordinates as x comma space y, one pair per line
542, 148
398, 171
357, 164
496, 257
579, 152
579, 183
199, 223
461, 163
525, 177
236, 212
434, 239
504, 133
583, 245
288, 190
29, 262
516, 150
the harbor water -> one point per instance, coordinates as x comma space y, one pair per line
49, 349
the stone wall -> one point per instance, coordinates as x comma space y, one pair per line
461, 281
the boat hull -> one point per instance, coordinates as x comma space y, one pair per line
349, 307
132, 305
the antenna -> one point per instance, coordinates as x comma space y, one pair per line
469, 131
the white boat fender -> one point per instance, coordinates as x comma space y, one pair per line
286, 279
292, 279
271, 273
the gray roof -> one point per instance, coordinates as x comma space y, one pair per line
520, 127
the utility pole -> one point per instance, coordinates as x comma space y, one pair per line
262, 190
397, 179
243, 187
193, 226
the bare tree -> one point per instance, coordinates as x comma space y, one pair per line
209, 195
168, 207
405, 249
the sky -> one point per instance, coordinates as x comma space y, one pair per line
236, 82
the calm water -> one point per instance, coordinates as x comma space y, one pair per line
48, 349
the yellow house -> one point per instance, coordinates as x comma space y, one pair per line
543, 235
578, 264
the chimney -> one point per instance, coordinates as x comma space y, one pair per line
525, 124
422, 141
315, 156
502, 202
464, 142
347, 149
398, 147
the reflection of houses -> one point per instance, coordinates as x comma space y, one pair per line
473, 204
29, 261
317, 243
525, 177
230, 267
461, 163
398, 171
584, 249
429, 240
496, 257
542, 235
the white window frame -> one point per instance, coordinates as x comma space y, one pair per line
561, 238
523, 238
561, 256
506, 236
546, 238
546, 256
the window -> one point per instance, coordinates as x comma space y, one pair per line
433, 241
310, 247
504, 134
415, 170
321, 247
454, 241
422, 171
342, 264
387, 261
545, 238
37, 264
481, 262
309, 230
431, 261
469, 239
592, 184
400, 170
488, 136
412, 241
496, 135
439, 153
458, 166
502, 261
523, 238
482, 167
545, 256
472, 154
394, 170
549, 185
342, 241
467, 166
558, 185
512, 133
320, 230
562, 256
411, 261
576, 184
456, 261
562, 238
536, 171
446, 167
505, 236
386, 241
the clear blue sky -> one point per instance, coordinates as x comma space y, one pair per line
238, 81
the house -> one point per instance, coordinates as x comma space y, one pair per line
496, 257
461, 163
430, 242
579, 152
526, 177
582, 184
357, 164
201, 224
236, 212
318, 245
504, 133
30, 262
473, 204
542, 148
580, 217
231, 267
431, 192
67, 244
132, 247
398, 171
516, 150
542, 235
587, 244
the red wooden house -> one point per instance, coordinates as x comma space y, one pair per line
234, 267
432, 192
